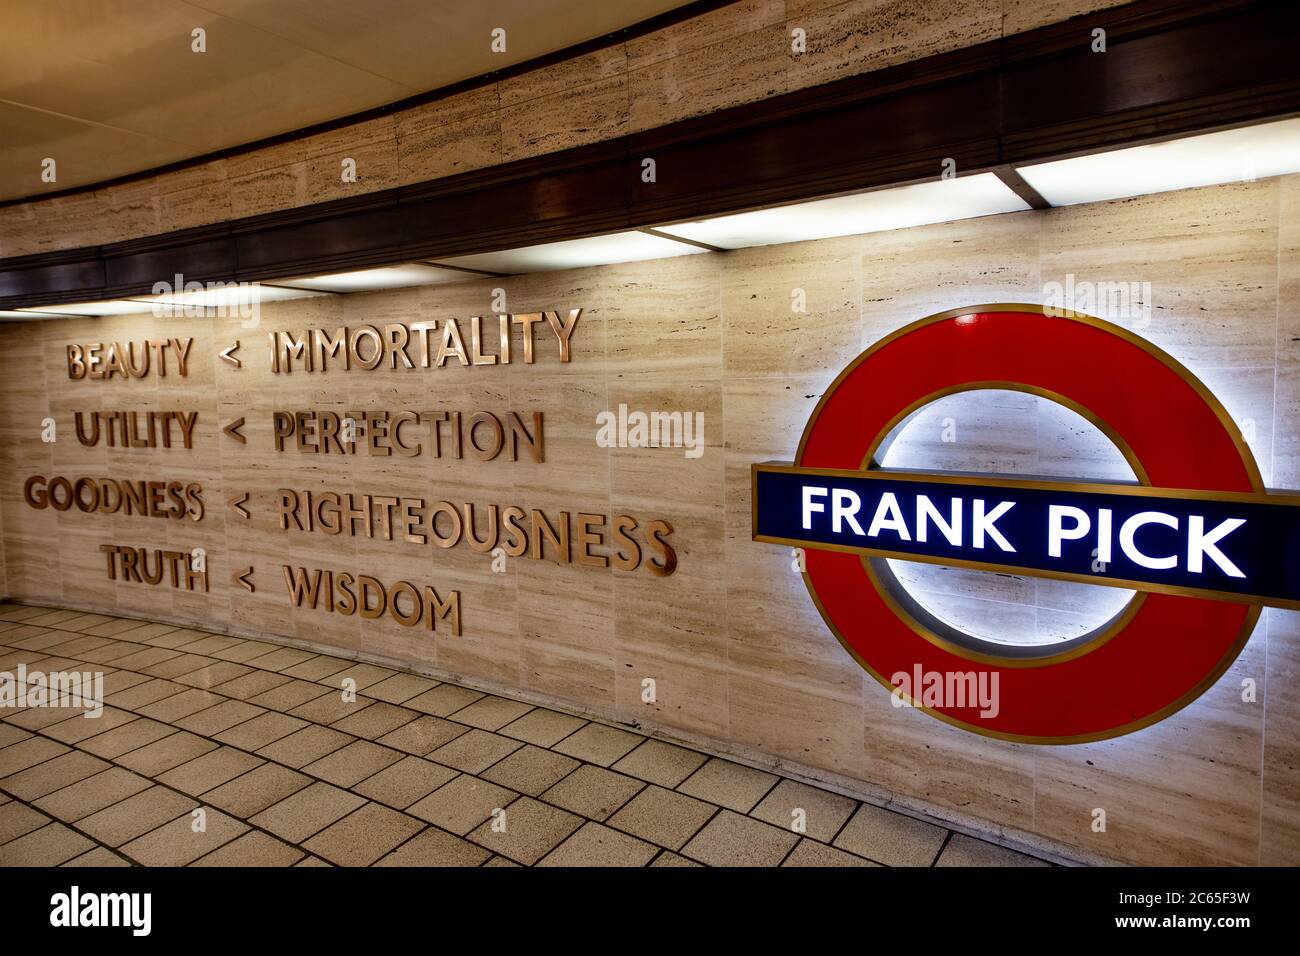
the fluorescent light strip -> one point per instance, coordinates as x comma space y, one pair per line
577, 253
943, 200
1234, 155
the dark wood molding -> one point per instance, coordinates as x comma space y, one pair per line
1172, 67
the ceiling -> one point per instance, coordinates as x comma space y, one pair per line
112, 87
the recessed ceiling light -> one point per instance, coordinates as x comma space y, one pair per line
226, 295
368, 280
95, 309
943, 200
576, 254
22, 315
1232, 155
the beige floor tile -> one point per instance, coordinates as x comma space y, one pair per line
254, 848
351, 764
593, 792
491, 713
317, 668
303, 746
18, 818
242, 651
732, 840
174, 667
81, 727
128, 737
45, 778
36, 719
209, 644
113, 628
500, 861
251, 684
51, 845
212, 675
120, 680
663, 817
531, 830
669, 858
28, 753
462, 804
405, 782
189, 701
375, 721
99, 857
361, 838
111, 652
542, 727
161, 755
256, 790
287, 696
136, 815
400, 688
177, 843
475, 751
311, 861
142, 695
10, 734
433, 847
661, 763
598, 744
279, 659
962, 850
597, 845
330, 707
362, 675
210, 770
92, 794
812, 853
145, 657
261, 730
443, 700
220, 717
823, 815
306, 812
890, 838
729, 785
423, 735
530, 770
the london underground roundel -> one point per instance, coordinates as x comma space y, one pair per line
1196, 536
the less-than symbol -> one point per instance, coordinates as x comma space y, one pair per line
237, 503
226, 354
245, 580
233, 431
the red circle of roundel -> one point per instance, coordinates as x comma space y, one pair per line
1174, 647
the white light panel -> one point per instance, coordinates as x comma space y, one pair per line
576, 254
943, 200
1234, 155
371, 280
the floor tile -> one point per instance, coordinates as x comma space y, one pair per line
728, 784
433, 847
812, 853
18, 818
530, 770
598, 744
28, 753
597, 845
375, 721
256, 790
462, 804
443, 700
330, 707
527, 830
890, 838
210, 770
261, 730
254, 848
135, 816
823, 813
306, 812
191, 700
161, 755
99, 858
287, 696
51, 845
178, 843
423, 735
663, 817
45, 778
362, 837
351, 764
732, 840
661, 763
491, 713
303, 746
220, 717
132, 736
542, 727
92, 794
593, 792
400, 688
405, 782
475, 751
251, 684
962, 850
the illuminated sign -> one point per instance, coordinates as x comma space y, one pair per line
1196, 536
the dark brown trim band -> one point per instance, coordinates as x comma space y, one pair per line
1171, 67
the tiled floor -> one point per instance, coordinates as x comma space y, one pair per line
218, 751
